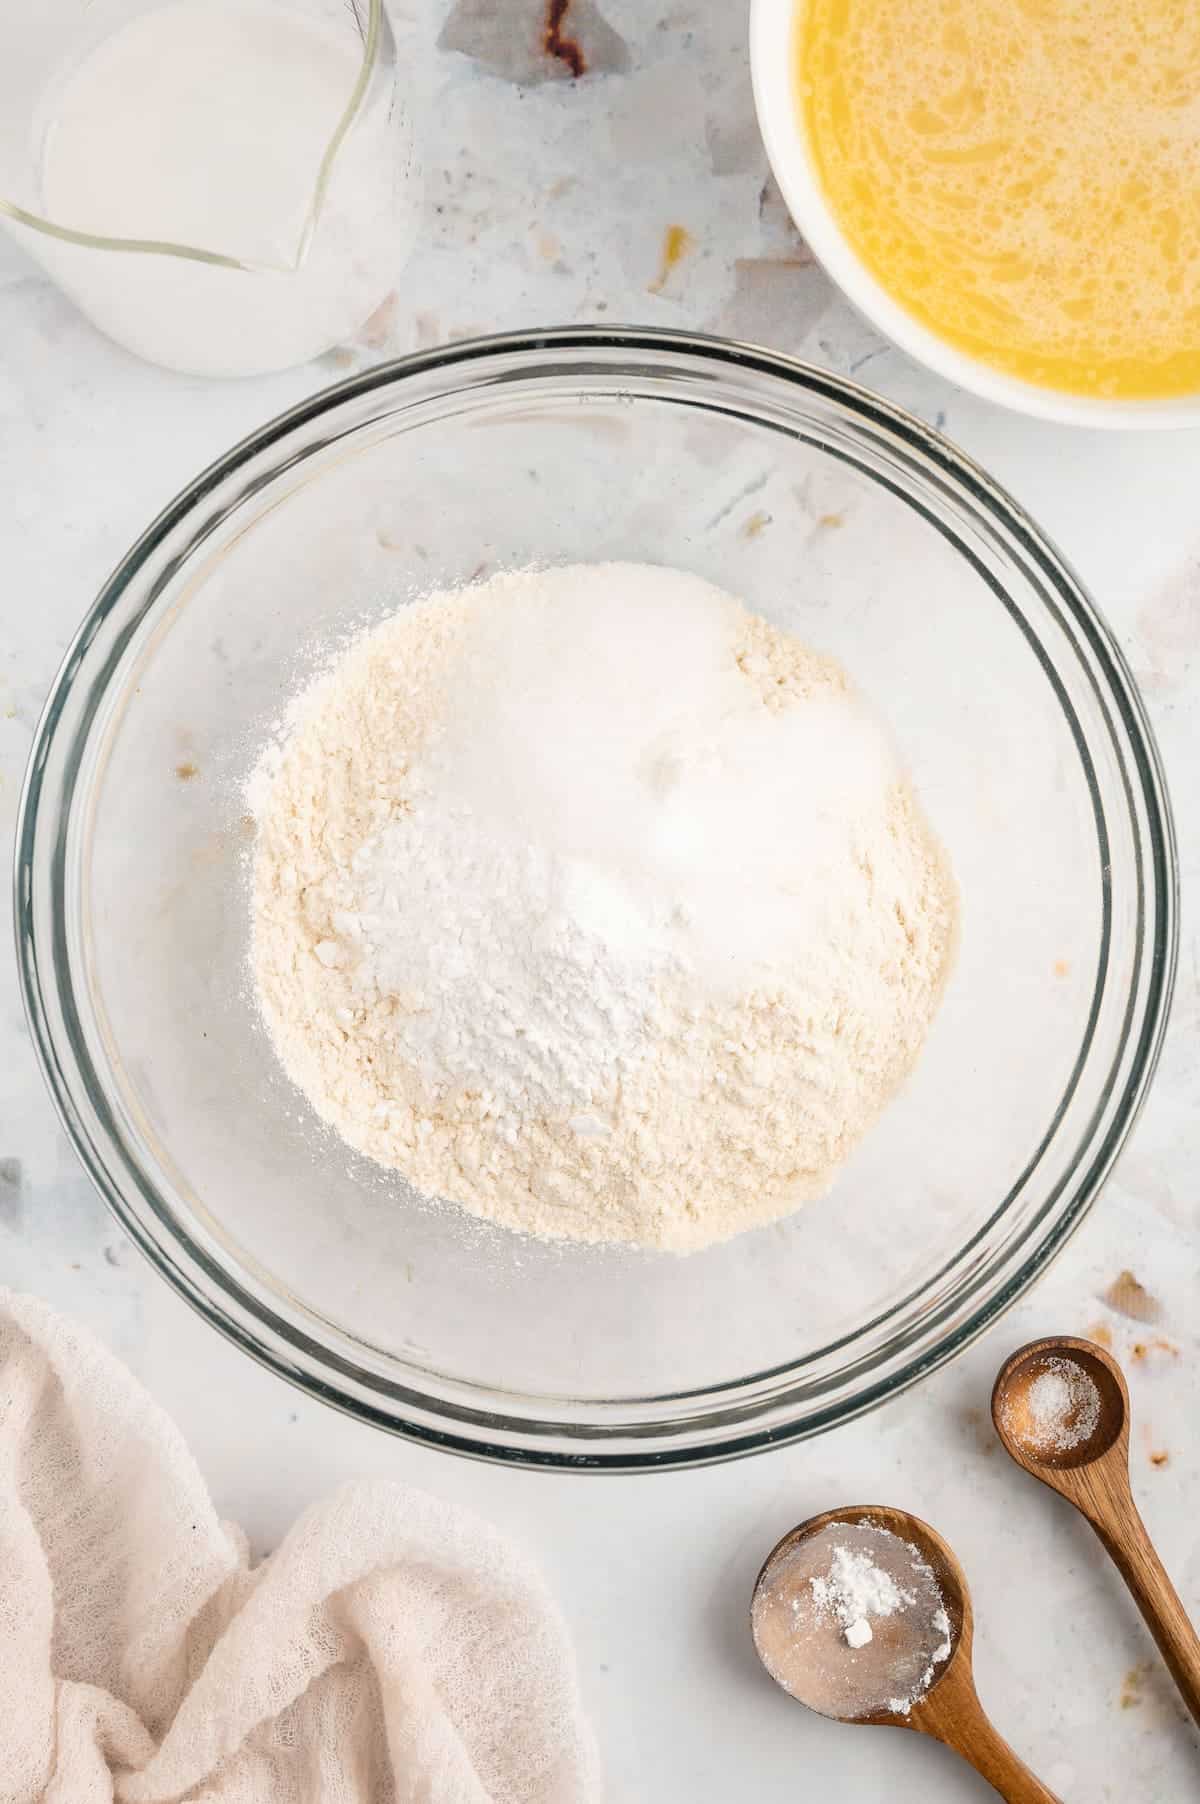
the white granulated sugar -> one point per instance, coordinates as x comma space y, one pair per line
592, 902
1064, 1405
854, 1590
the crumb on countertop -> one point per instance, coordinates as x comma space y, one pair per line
1133, 1686
677, 242
1144, 1350
1129, 1297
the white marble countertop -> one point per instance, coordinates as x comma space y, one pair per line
549, 201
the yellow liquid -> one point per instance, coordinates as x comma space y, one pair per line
1023, 176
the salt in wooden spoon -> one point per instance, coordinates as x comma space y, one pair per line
1083, 1454
812, 1661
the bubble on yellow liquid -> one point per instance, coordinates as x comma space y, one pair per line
1023, 176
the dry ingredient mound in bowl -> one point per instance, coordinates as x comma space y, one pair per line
594, 903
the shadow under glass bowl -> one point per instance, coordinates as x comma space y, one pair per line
837, 517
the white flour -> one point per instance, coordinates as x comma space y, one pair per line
854, 1590
590, 901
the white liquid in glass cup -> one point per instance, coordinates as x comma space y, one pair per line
223, 186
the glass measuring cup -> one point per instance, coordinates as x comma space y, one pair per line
263, 238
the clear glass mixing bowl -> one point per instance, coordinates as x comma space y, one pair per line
834, 515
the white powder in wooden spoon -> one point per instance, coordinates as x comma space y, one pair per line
590, 901
852, 1621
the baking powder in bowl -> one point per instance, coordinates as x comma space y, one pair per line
590, 901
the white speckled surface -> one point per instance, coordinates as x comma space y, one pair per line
549, 202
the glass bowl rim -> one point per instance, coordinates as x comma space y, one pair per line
226, 1302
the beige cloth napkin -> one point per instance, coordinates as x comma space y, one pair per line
392, 1648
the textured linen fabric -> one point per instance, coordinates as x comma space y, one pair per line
392, 1648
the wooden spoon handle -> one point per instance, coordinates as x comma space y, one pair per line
953, 1714
1005, 1771
1116, 1520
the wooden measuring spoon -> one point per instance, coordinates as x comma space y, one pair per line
807, 1652
1086, 1461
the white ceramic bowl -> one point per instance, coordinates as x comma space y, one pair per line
772, 62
